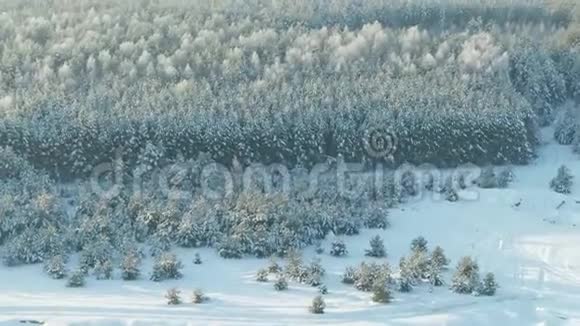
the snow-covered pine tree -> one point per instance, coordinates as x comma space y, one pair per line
338, 248
130, 266
488, 285
406, 279
199, 297
466, 277
55, 267
438, 257
381, 292
166, 267
318, 305
419, 244
76, 279
377, 248
281, 284
562, 183
173, 296
103, 270
262, 275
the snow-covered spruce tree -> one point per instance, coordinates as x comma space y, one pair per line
466, 277
562, 183
199, 297
438, 258
130, 266
166, 267
377, 248
281, 284
318, 305
488, 285
262, 275
419, 244
173, 296
406, 278
487, 179
103, 270
76, 279
381, 292
55, 267
338, 248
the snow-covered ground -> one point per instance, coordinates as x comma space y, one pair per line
533, 249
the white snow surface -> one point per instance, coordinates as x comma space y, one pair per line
533, 249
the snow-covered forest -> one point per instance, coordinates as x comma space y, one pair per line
112, 111
281, 81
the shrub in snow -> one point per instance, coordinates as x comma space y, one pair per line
173, 296
381, 292
419, 244
487, 179
466, 277
377, 248
318, 305
130, 266
76, 280
349, 275
281, 284
274, 267
451, 195
488, 286
562, 183
318, 248
55, 267
166, 267
323, 289
338, 248
262, 275
197, 259
199, 297
505, 177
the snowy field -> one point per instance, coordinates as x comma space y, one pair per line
533, 250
